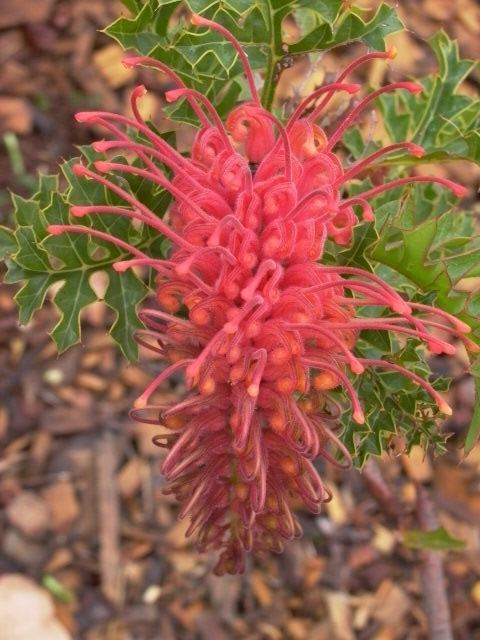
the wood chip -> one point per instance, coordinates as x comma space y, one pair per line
29, 513
475, 592
108, 61
340, 616
391, 603
63, 505
66, 420
40, 450
60, 558
129, 478
92, 382
260, 589
176, 535
15, 114
417, 465
384, 540
3, 422
296, 629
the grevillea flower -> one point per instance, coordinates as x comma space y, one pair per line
270, 330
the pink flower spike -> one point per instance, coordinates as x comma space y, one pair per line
265, 330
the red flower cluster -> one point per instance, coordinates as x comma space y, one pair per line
270, 329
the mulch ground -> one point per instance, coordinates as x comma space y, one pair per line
83, 515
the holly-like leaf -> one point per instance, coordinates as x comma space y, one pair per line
69, 261
436, 249
443, 120
436, 540
393, 405
351, 26
208, 63
8, 244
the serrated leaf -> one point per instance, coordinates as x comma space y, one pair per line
351, 27
123, 295
442, 120
420, 252
392, 404
75, 294
8, 244
31, 296
133, 5
437, 249
208, 63
436, 540
474, 429
69, 261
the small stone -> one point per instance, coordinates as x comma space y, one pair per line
27, 611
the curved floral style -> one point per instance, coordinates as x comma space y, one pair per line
270, 330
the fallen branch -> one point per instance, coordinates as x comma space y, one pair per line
432, 574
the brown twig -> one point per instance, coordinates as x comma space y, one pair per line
432, 574
381, 490
109, 519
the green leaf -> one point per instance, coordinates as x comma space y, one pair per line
123, 296
436, 253
392, 404
208, 63
442, 120
436, 540
57, 589
351, 27
8, 244
474, 429
69, 261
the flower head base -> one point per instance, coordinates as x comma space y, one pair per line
270, 329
